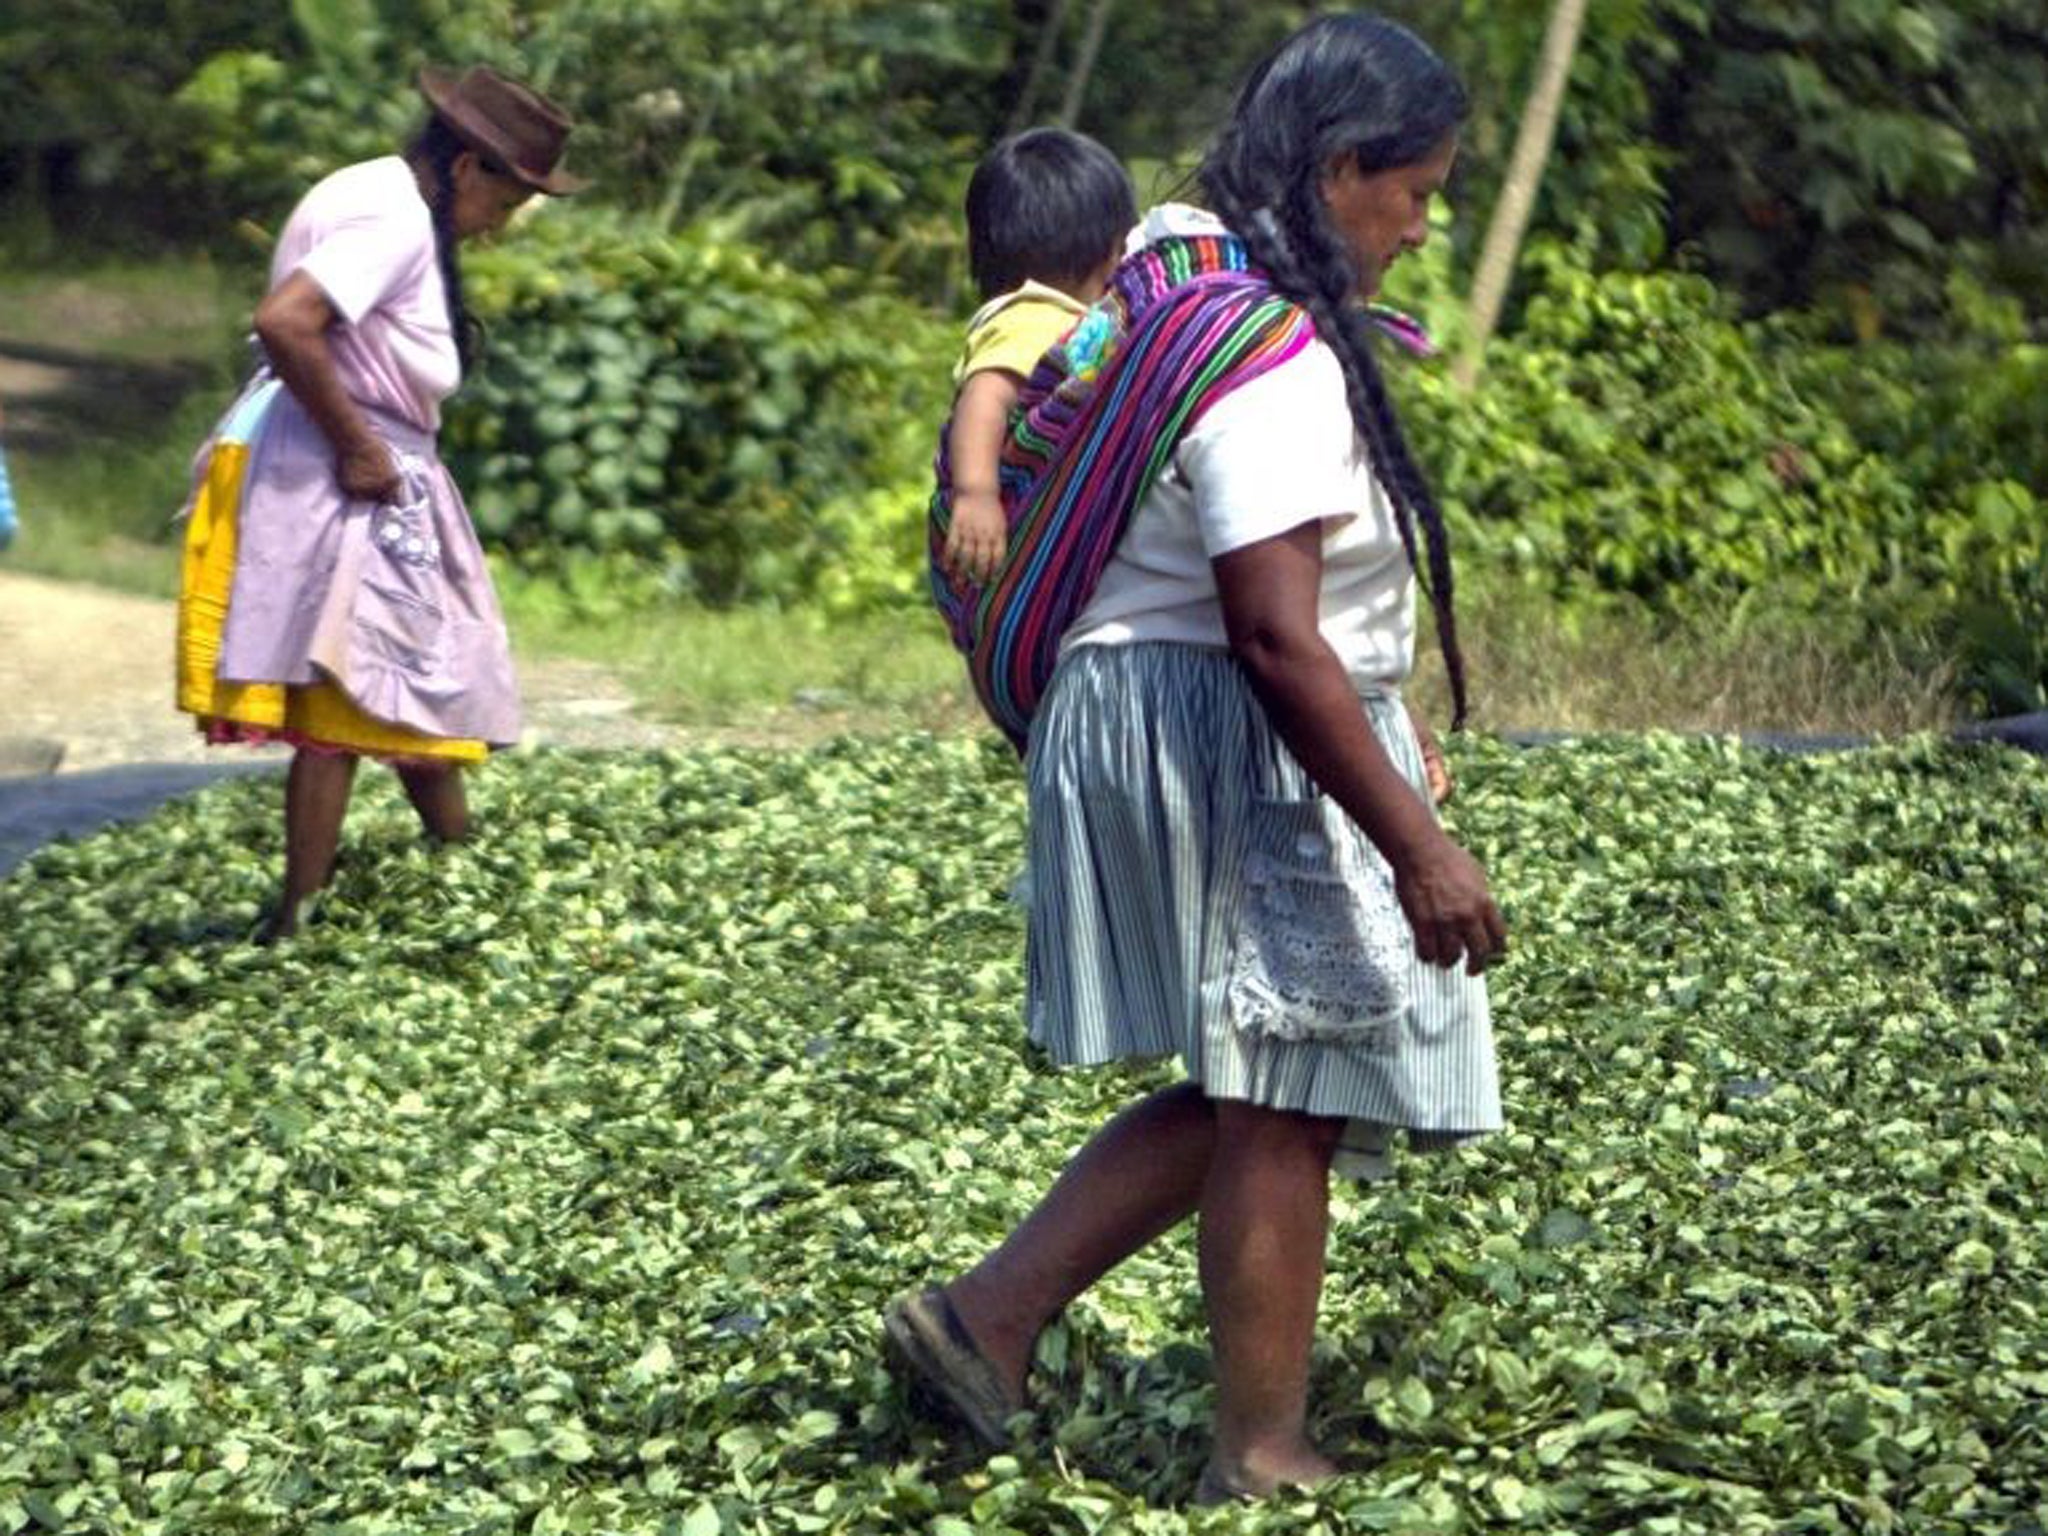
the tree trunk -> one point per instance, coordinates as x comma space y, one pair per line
1533, 139
1041, 67
1084, 65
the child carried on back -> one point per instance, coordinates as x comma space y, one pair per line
1047, 214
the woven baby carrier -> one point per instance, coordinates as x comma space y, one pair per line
1184, 322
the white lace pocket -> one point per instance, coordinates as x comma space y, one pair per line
1322, 950
403, 526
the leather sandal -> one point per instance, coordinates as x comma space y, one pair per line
1215, 1490
930, 1352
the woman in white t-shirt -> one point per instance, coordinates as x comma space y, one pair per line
1234, 857
334, 593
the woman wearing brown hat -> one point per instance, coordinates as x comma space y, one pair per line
334, 593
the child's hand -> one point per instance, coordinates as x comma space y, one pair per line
979, 534
1438, 771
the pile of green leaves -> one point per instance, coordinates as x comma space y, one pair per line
556, 1183
686, 399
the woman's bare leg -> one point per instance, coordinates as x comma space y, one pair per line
439, 797
1138, 1176
316, 795
1264, 1223
1260, 1178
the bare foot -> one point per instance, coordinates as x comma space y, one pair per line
1259, 1474
1006, 1348
282, 921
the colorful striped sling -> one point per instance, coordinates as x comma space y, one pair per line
1185, 322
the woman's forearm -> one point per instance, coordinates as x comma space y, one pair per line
301, 359
1312, 705
292, 322
1270, 593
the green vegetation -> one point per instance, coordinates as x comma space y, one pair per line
112, 374
760, 673
690, 401
1633, 438
1845, 156
1774, 344
555, 1183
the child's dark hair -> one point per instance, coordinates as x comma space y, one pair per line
1046, 205
1362, 86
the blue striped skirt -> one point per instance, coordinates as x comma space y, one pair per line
1191, 893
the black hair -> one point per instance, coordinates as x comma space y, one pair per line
435, 149
1362, 86
1046, 205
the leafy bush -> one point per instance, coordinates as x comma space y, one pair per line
1860, 152
685, 398
1962, 421
556, 1183
832, 131
1850, 154
1634, 437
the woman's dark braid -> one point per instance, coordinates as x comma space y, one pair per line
440, 147
1291, 242
451, 280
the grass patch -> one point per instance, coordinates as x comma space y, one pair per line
103, 513
111, 377
556, 1182
775, 674
1535, 664
176, 312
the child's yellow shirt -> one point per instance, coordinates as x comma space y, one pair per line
1014, 330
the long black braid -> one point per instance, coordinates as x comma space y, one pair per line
1344, 85
435, 149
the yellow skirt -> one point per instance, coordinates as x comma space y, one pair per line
316, 715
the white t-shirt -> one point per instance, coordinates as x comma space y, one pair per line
1273, 454
366, 236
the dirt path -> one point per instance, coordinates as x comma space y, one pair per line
24, 384
85, 684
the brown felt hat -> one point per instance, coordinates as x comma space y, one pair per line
520, 129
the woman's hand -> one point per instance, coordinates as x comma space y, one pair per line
1269, 592
368, 472
1443, 892
293, 321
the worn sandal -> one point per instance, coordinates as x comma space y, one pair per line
930, 1351
1215, 1490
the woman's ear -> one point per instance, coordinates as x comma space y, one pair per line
1339, 178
